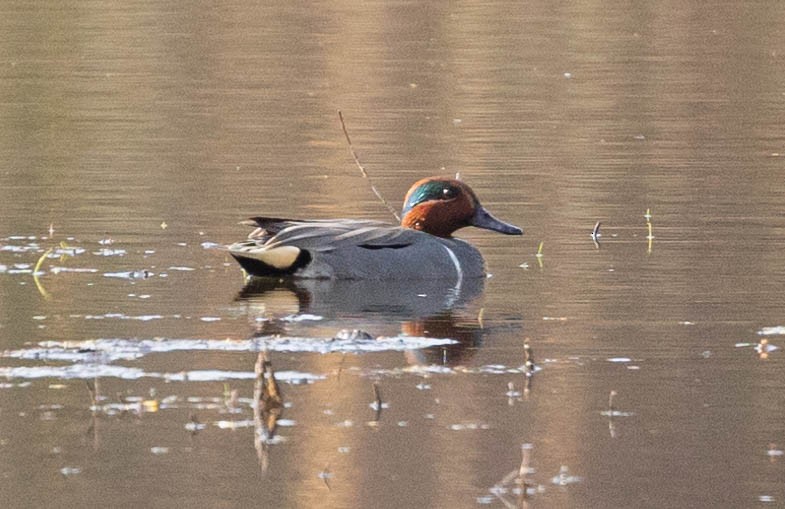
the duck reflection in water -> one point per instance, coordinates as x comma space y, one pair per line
428, 308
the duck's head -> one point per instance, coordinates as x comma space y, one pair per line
441, 205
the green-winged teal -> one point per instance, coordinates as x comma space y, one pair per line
421, 247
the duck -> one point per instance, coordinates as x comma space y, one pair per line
422, 246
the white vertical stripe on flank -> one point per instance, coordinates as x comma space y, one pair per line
458, 268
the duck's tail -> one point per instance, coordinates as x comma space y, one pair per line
263, 262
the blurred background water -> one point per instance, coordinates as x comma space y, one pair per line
134, 137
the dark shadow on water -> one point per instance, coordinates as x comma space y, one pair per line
404, 299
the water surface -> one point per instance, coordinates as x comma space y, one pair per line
135, 137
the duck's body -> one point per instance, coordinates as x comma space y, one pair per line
353, 249
421, 248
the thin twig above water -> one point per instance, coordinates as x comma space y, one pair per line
362, 169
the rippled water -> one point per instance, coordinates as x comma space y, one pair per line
135, 137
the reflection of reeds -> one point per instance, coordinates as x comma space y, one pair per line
268, 408
93, 388
519, 478
610, 401
377, 395
611, 425
269, 395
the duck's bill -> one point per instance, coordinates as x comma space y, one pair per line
484, 219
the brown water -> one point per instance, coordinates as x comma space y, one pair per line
142, 133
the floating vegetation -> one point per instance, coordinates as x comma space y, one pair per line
63, 249
75, 270
778, 330
130, 349
132, 274
516, 483
612, 412
121, 316
94, 359
353, 334
66, 250
110, 252
563, 478
20, 249
595, 234
427, 370
763, 348
20, 268
304, 317
468, 426
194, 426
773, 452
91, 371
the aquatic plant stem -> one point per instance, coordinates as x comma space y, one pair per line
362, 169
528, 358
377, 401
38, 285
595, 234
539, 253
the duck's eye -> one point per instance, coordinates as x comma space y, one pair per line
449, 192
